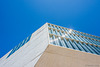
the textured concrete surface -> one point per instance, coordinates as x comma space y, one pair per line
55, 56
28, 54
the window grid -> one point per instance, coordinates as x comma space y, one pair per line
72, 36
75, 32
19, 45
72, 39
72, 44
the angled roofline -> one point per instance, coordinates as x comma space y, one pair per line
74, 30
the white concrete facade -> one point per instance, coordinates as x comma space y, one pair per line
28, 54
55, 46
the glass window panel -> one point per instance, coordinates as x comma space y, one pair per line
56, 32
52, 26
49, 30
67, 43
60, 42
53, 37
96, 48
18, 46
64, 44
85, 47
73, 36
89, 48
58, 28
52, 31
75, 46
65, 35
79, 46
77, 37
49, 25
60, 33
71, 44
93, 49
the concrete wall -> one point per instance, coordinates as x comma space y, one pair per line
55, 56
28, 54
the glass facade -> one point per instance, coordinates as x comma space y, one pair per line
72, 39
68, 38
19, 45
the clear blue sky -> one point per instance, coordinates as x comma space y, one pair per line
20, 18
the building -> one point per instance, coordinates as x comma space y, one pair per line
55, 46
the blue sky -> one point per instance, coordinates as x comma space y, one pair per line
20, 18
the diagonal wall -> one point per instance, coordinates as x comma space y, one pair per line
28, 54
55, 56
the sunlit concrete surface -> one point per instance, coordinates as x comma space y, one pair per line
55, 56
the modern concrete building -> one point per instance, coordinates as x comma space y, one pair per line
55, 46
